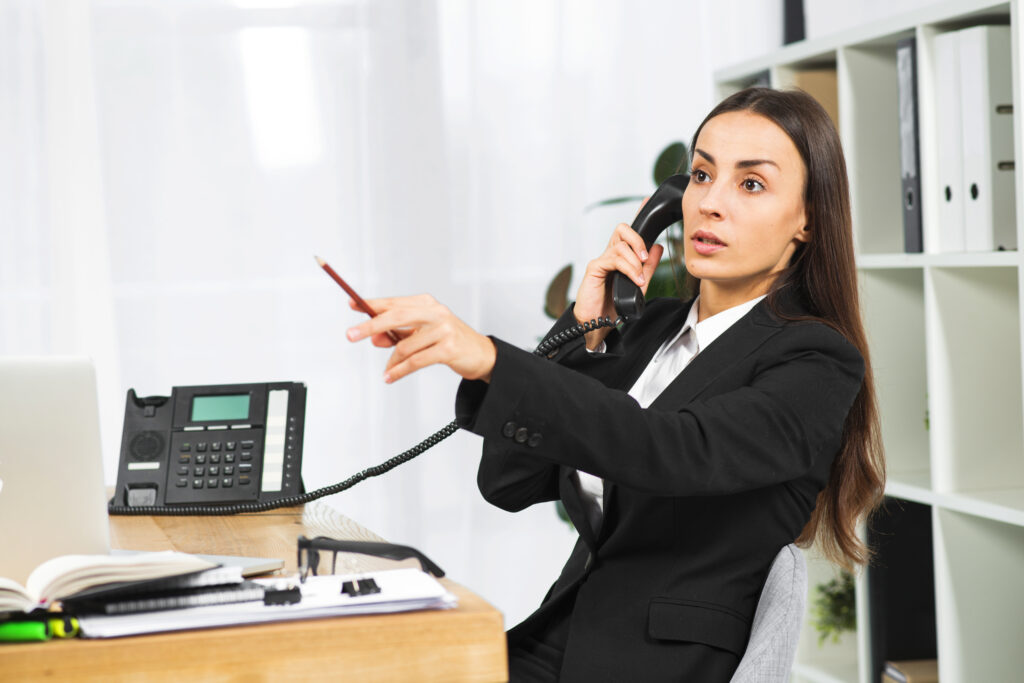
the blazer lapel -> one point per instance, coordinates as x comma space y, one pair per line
649, 344
743, 338
740, 340
575, 507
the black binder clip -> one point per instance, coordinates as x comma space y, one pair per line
357, 587
287, 594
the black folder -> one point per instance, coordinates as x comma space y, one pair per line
910, 158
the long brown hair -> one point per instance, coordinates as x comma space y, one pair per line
823, 275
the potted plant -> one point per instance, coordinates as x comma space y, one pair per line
833, 609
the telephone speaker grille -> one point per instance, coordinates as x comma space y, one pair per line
147, 445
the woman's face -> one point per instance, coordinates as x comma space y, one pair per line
743, 211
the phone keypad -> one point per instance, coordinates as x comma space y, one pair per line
238, 464
205, 464
214, 470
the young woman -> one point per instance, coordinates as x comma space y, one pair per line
694, 443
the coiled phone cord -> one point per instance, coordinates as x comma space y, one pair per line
545, 348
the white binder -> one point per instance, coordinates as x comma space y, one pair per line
949, 145
986, 89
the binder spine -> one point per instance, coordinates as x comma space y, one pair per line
910, 161
950, 152
987, 99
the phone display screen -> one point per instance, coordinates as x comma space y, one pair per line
223, 407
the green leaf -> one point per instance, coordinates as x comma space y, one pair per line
663, 282
672, 160
833, 609
557, 298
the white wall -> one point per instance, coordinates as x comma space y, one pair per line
170, 169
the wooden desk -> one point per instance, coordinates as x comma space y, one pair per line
464, 644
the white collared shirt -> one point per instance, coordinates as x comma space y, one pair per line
670, 360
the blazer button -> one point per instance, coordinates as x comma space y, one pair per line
522, 434
508, 429
535, 440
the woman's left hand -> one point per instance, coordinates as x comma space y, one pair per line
428, 333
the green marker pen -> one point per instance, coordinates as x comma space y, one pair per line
22, 631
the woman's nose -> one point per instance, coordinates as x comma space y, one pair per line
711, 202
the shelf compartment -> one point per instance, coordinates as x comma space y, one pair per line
931, 139
1001, 505
869, 125
893, 306
759, 78
817, 78
829, 662
901, 585
843, 672
974, 377
915, 486
979, 597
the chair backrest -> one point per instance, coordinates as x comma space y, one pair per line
776, 628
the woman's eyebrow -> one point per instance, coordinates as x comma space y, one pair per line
746, 163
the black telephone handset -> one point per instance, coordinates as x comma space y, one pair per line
175, 452
664, 208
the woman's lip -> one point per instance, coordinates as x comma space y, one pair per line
706, 247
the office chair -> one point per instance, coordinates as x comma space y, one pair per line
776, 629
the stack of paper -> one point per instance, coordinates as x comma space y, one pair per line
322, 596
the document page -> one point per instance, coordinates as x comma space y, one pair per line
322, 596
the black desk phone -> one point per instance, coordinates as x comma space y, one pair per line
212, 445
213, 450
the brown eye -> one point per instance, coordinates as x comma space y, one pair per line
751, 185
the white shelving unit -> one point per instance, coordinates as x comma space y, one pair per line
945, 334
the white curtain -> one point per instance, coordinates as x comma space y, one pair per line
169, 171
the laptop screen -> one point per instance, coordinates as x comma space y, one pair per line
52, 494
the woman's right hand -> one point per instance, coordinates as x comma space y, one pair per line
625, 253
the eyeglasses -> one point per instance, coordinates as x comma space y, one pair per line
309, 554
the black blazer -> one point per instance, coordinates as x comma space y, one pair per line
702, 488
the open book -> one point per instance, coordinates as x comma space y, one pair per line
64, 576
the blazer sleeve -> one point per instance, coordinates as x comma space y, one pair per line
505, 478
769, 429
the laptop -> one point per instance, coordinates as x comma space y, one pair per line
52, 495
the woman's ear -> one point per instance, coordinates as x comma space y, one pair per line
803, 235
